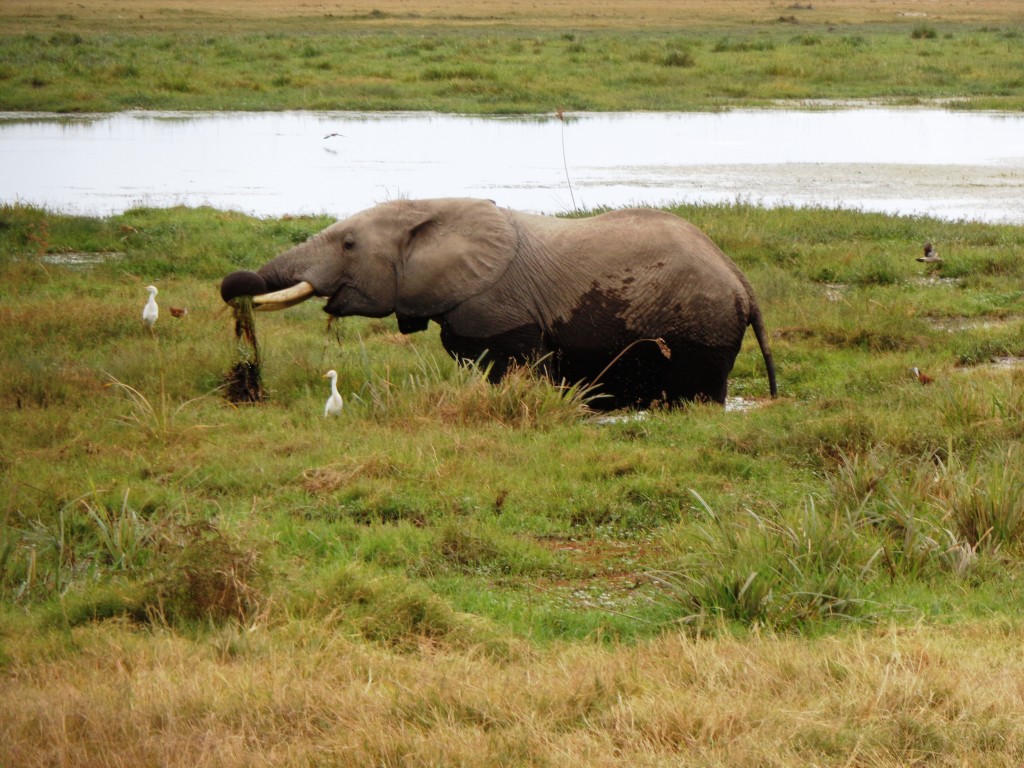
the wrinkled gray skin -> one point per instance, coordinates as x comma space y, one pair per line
520, 287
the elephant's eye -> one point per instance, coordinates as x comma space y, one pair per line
350, 243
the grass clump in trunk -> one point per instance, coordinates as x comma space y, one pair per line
243, 383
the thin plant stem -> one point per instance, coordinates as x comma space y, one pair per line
565, 163
662, 347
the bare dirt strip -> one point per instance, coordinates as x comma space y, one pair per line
597, 13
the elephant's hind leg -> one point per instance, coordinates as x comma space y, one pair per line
701, 374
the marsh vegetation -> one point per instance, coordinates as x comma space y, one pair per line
456, 573
333, 59
499, 534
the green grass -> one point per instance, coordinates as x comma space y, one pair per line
457, 571
859, 495
336, 64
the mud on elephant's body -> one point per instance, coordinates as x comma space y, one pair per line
520, 287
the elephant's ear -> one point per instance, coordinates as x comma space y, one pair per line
455, 249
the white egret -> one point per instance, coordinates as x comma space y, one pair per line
334, 402
150, 311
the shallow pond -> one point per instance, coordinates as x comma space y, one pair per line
954, 165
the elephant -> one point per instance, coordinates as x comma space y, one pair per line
638, 303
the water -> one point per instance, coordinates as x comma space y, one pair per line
954, 165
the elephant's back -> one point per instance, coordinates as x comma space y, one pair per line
637, 273
651, 240
656, 226
645, 261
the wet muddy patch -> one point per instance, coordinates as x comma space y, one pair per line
605, 575
81, 259
835, 291
742, 404
733, 404
1001, 364
1006, 363
934, 281
958, 324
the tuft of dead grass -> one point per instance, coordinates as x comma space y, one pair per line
208, 576
319, 480
524, 398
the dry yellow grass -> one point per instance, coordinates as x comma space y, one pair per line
304, 696
591, 13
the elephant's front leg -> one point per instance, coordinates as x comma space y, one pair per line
521, 345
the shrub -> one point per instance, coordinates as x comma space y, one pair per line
677, 58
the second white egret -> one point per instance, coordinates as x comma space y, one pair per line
334, 402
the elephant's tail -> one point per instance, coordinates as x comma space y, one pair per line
766, 352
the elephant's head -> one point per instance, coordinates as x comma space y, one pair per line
418, 259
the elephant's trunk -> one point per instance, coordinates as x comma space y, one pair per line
284, 280
245, 283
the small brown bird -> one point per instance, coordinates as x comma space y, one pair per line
179, 311
931, 256
924, 378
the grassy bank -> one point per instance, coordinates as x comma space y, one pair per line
424, 58
456, 569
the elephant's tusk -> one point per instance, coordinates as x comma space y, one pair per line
284, 298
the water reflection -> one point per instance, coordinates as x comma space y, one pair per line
949, 164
